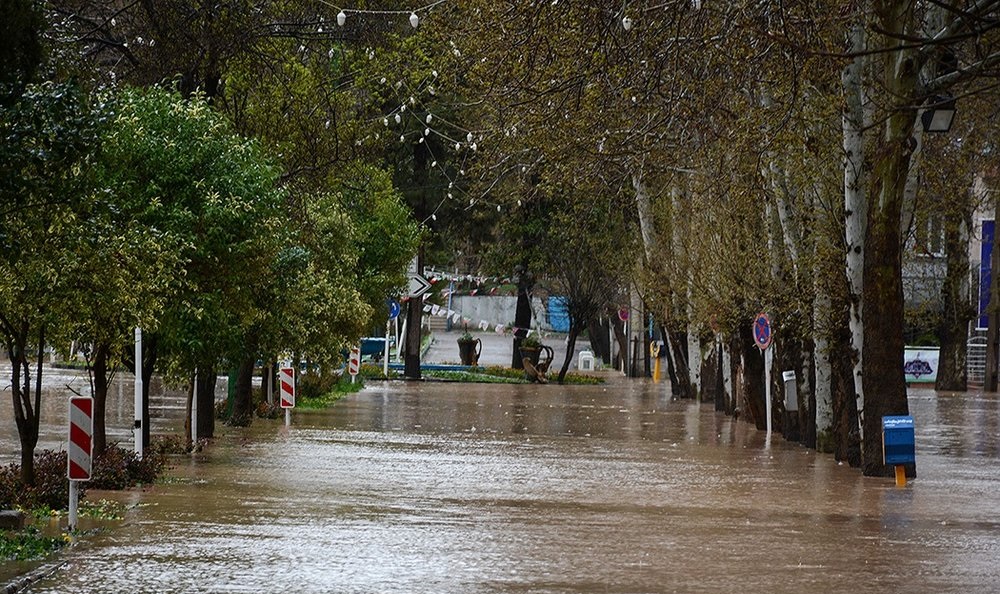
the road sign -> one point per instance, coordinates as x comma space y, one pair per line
623, 314
81, 431
286, 377
393, 309
354, 363
762, 331
418, 285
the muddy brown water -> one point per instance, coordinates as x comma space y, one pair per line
441, 488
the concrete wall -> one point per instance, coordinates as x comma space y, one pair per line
497, 310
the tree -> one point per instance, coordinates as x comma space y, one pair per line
47, 134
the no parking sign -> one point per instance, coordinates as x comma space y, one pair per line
762, 331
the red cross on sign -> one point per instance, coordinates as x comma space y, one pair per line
762, 331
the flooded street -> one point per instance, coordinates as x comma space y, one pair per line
460, 488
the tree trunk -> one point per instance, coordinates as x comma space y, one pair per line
522, 313
883, 380
681, 379
957, 310
574, 331
205, 401
411, 357
26, 406
100, 371
242, 414
599, 341
855, 202
753, 377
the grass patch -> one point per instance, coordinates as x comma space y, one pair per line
474, 377
102, 509
340, 389
27, 544
497, 374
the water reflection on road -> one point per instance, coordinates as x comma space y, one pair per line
431, 488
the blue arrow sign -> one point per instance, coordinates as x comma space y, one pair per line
393, 309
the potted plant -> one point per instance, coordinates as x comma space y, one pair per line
531, 348
536, 357
469, 349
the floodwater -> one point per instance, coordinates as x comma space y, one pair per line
458, 488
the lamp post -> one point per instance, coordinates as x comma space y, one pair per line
938, 114
522, 313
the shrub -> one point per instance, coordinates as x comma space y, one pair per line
269, 411
315, 384
119, 468
51, 489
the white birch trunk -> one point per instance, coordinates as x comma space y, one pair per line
824, 375
646, 229
645, 211
693, 349
855, 202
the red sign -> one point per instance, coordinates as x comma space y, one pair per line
762, 331
354, 363
81, 431
286, 377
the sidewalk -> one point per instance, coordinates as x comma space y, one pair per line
497, 348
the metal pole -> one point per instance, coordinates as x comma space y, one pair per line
767, 388
137, 427
385, 355
270, 384
288, 417
194, 413
399, 349
74, 498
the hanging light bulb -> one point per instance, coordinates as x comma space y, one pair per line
498, 208
427, 131
458, 146
434, 217
414, 20
402, 138
434, 163
472, 146
385, 122
428, 118
627, 23
519, 203
402, 107
468, 137
398, 118
341, 18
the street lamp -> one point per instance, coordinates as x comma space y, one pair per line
939, 113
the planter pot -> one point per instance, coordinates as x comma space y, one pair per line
531, 354
469, 350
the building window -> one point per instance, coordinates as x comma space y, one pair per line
928, 235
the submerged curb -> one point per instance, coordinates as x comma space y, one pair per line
23, 582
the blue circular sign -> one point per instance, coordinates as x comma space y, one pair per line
393, 309
762, 331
